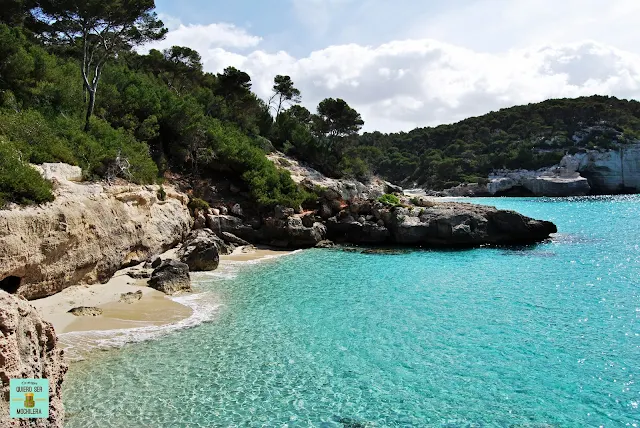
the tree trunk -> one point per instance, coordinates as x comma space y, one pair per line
90, 107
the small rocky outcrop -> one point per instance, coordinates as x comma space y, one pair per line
86, 311
442, 225
143, 273
29, 349
171, 277
200, 250
131, 297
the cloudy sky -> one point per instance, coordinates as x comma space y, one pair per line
408, 63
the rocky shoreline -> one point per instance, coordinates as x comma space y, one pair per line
93, 230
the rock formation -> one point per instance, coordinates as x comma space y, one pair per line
546, 182
611, 171
171, 277
589, 172
200, 250
131, 297
28, 349
347, 190
434, 224
85, 235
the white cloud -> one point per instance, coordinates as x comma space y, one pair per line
404, 84
422, 81
204, 38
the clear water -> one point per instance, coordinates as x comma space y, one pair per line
540, 336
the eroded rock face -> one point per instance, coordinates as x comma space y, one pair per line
29, 349
600, 172
611, 171
171, 277
546, 182
88, 233
200, 250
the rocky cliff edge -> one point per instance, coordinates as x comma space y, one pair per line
88, 233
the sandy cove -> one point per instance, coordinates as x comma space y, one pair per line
153, 309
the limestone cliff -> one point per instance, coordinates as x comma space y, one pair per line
28, 349
85, 235
611, 171
591, 172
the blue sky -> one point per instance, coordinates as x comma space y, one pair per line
408, 63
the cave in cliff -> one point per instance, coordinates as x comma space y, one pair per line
10, 284
516, 191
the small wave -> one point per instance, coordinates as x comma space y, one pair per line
79, 343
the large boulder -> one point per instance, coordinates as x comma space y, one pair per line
200, 250
392, 188
348, 230
171, 277
29, 349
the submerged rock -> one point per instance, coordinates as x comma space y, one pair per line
85, 311
29, 349
131, 297
171, 277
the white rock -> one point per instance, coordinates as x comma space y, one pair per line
60, 171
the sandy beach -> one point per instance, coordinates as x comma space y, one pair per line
153, 309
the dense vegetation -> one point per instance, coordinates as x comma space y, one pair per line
73, 89
130, 116
529, 137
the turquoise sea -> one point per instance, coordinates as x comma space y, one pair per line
547, 335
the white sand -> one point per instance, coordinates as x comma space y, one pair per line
154, 308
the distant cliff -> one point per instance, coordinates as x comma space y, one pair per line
590, 172
526, 137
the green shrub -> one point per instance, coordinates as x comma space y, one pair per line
197, 204
19, 182
389, 199
162, 194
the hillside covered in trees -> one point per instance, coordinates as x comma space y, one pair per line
528, 137
73, 89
